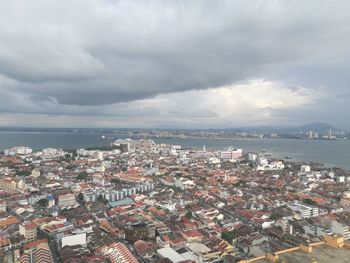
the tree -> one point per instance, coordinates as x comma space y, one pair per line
115, 181
309, 201
43, 202
189, 214
24, 173
82, 175
275, 216
80, 197
229, 236
102, 200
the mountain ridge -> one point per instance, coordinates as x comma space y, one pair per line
319, 127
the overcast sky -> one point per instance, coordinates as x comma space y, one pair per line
174, 64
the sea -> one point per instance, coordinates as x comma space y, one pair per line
330, 153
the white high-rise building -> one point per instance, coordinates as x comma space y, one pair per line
21, 150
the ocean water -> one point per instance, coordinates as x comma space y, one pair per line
40, 140
330, 153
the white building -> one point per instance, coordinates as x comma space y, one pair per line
304, 210
67, 201
305, 169
73, 240
98, 155
340, 179
230, 154
83, 152
2, 205
35, 173
341, 229
273, 166
213, 160
252, 157
171, 254
21, 150
116, 195
52, 152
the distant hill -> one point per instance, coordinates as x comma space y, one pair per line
319, 127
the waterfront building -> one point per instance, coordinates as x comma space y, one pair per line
21, 150
230, 154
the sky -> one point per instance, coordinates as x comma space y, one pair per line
174, 64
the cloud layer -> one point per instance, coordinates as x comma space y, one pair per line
152, 60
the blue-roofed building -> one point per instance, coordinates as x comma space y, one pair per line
125, 201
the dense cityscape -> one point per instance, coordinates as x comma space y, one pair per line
145, 202
152, 131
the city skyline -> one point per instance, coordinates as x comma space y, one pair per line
173, 64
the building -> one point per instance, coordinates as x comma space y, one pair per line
151, 230
204, 253
51, 199
37, 251
123, 145
29, 231
118, 253
171, 254
35, 173
340, 179
273, 166
33, 199
340, 229
114, 195
305, 169
56, 227
52, 152
332, 249
136, 232
304, 210
2, 205
21, 150
11, 184
67, 201
98, 155
8, 221
345, 199
73, 240
252, 157
144, 249
230, 154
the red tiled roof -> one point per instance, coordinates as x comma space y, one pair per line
35, 243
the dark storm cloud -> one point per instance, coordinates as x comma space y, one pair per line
55, 55
106, 52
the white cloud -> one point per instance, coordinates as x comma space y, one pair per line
254, 102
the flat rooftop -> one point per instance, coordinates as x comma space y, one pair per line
322, 254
